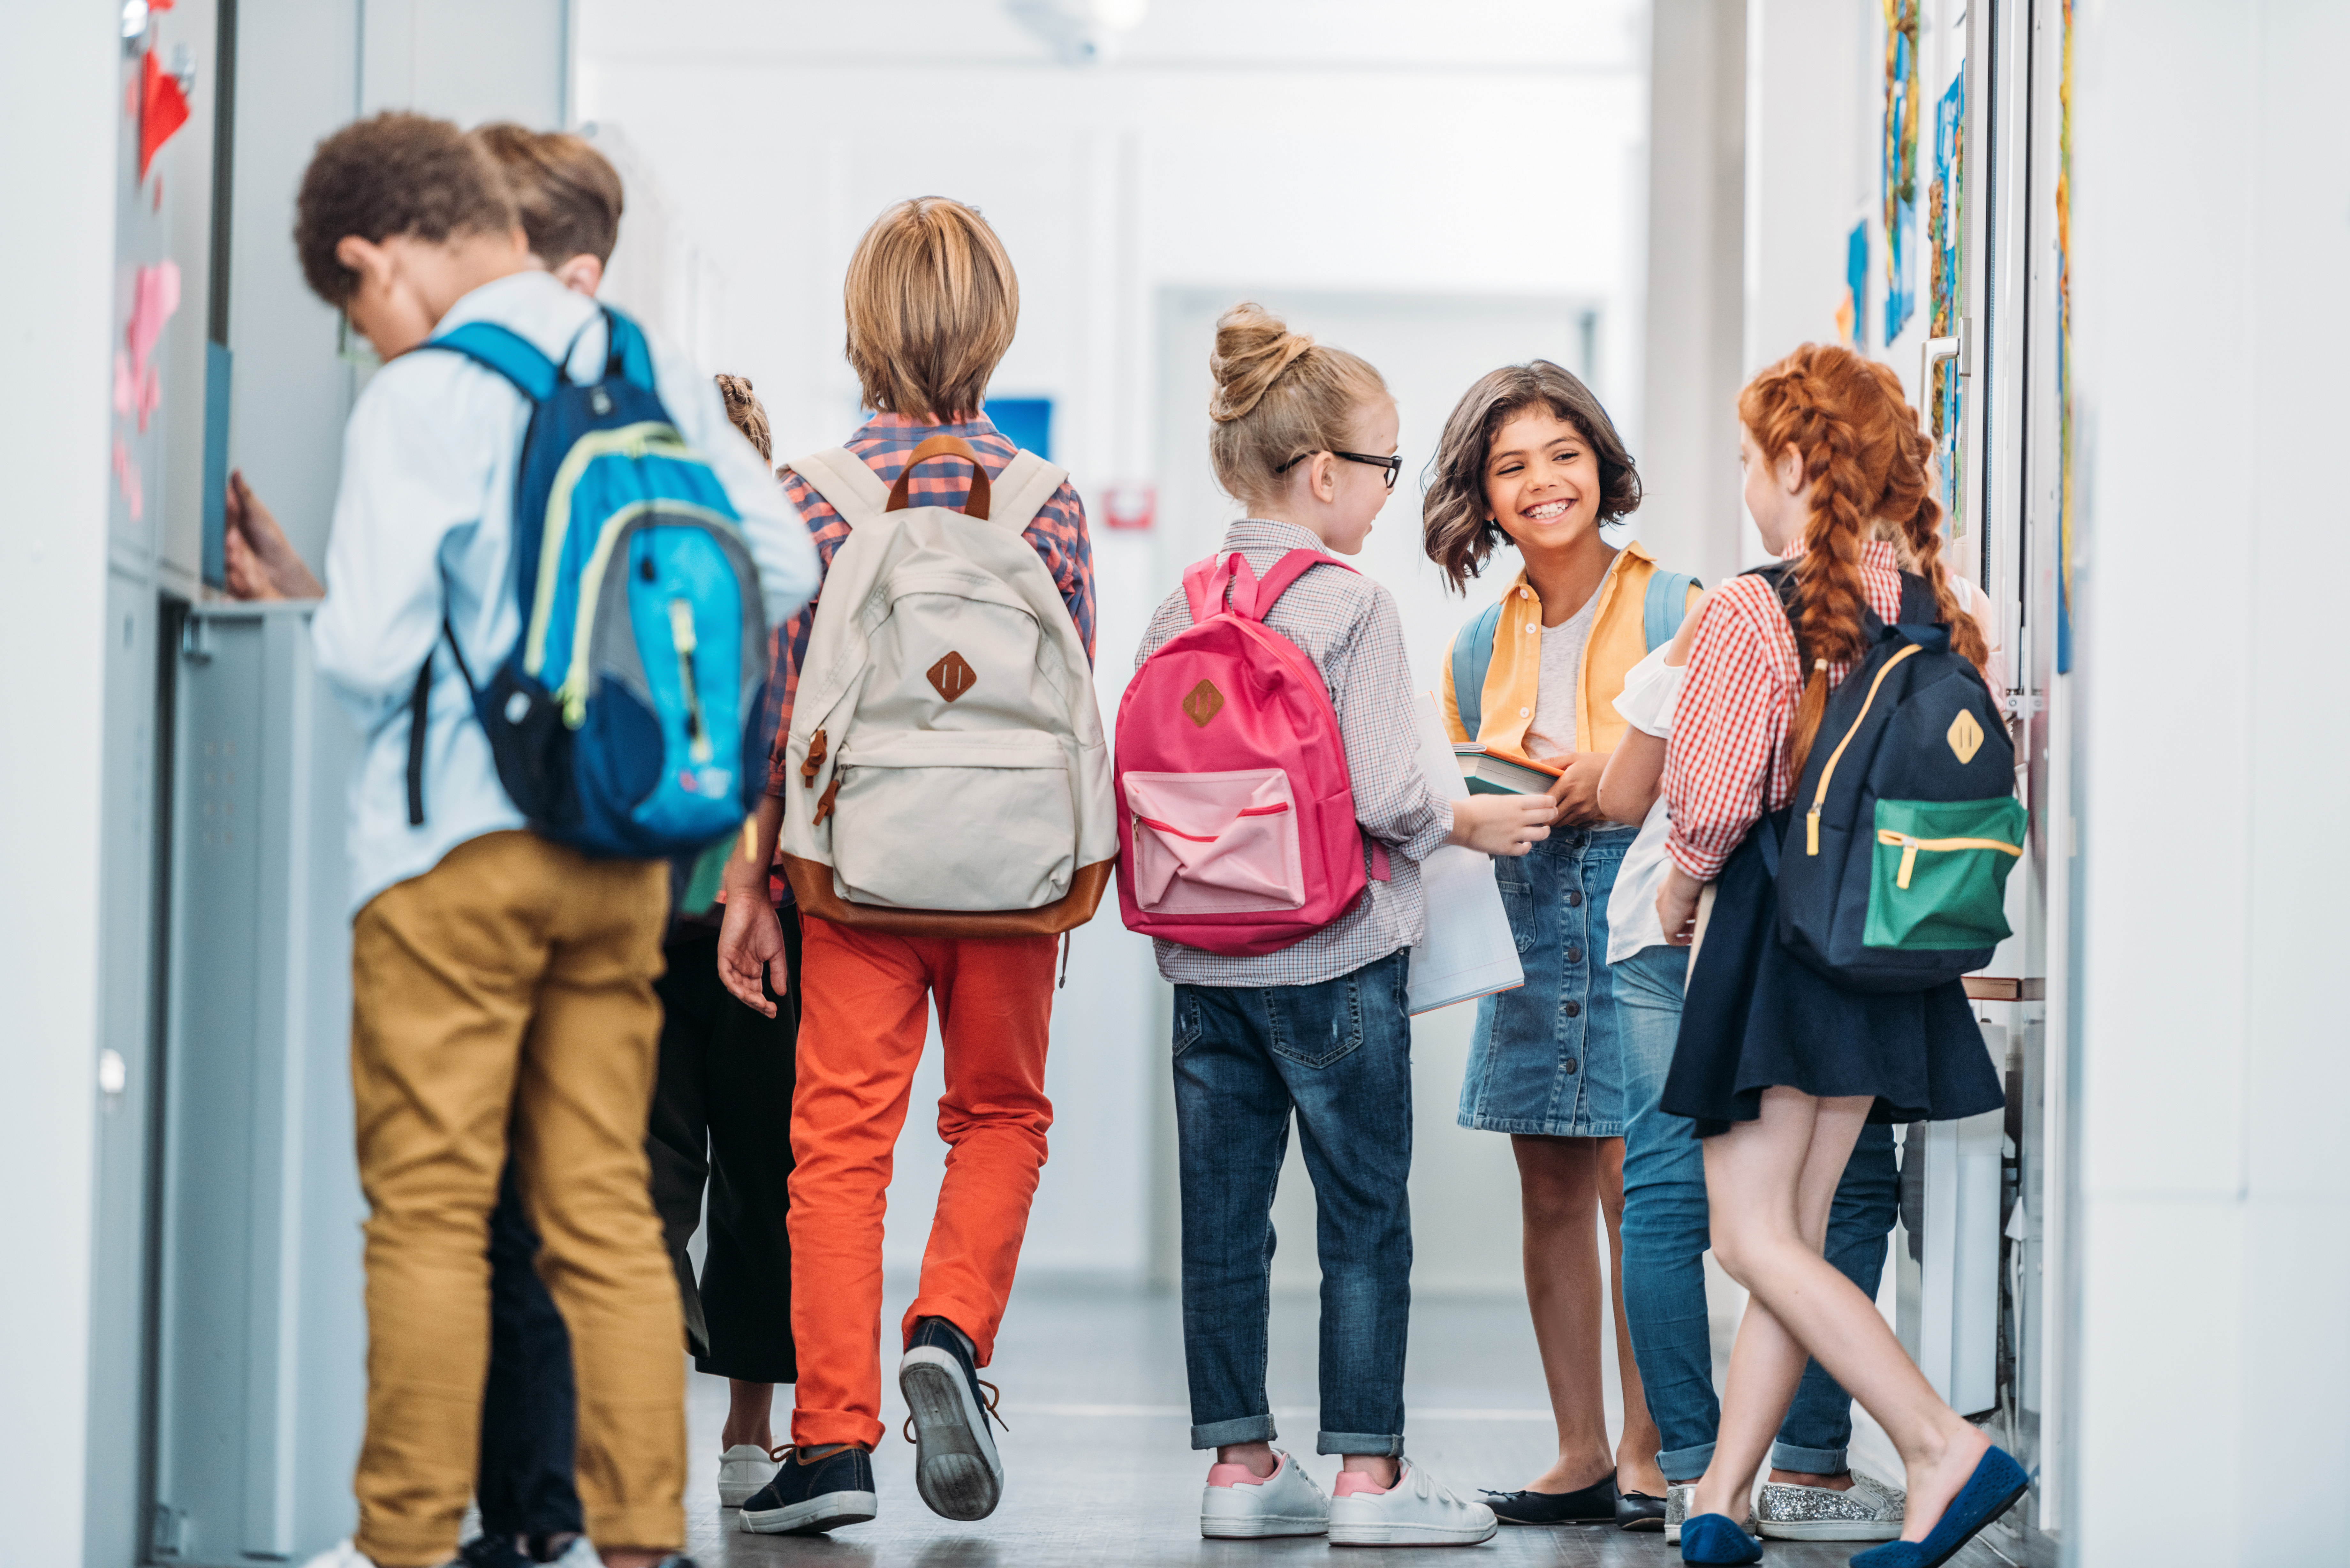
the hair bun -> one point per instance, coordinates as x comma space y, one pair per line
1252, 348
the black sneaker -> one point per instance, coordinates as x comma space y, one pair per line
810, 1499
493, 1551
955, 1465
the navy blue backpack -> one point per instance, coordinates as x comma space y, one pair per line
1893, 873
625, 721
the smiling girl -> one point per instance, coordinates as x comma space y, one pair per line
1529, 457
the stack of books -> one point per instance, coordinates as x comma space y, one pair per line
1501, 772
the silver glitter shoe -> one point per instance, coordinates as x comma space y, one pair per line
1676, 1507
1871, 1510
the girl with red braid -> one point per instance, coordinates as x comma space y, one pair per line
1778, 1067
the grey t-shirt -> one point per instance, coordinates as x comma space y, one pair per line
1551, 732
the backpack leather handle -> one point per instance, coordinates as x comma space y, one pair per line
943, 446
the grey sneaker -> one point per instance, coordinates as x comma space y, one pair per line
1676, 1507
1871, 1510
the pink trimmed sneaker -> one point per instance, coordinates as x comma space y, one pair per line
1240, 1506
1418, 1510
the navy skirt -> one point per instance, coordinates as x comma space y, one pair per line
1756, 1016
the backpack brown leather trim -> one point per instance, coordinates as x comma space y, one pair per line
812, 887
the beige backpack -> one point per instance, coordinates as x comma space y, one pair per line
949, 776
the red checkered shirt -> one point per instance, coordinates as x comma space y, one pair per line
1726, 765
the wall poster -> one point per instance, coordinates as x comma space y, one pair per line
1900, 168
1944, 230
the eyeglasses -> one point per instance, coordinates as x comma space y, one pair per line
1394, 465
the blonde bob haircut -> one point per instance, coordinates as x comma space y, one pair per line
1279, 396
932, 304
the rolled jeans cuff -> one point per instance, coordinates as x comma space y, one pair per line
1389, 1444
1809, 1461
1244, 1430
1681, 1464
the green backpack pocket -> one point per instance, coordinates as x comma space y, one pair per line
1938, 874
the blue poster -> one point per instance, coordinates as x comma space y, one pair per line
1944, 228
1852, 320
1901, 172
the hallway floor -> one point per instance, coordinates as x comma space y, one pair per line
1098, 1469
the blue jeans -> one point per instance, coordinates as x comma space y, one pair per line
1339, 1053
1666, 1233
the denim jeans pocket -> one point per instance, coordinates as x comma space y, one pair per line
1314, 1025
1187, 1023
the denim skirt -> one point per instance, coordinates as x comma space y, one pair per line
1548, 1057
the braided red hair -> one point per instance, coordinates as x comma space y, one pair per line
1866, 460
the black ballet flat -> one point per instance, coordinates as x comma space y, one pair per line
1593, 1504
1638, 1510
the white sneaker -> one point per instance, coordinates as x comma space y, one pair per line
1871, 1510
1418, 1510
1238, 1506
743, 1469
1676, 1507
342, 1554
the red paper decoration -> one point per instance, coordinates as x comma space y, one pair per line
162, 108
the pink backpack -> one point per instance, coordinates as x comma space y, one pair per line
1238, 832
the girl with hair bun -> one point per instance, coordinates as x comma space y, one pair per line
1779, 1066
1303, 435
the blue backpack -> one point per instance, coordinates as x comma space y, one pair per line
1472, 649
1893, 873
625, 721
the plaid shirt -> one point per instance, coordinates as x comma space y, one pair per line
1058, 534
1348, 625
1726, 765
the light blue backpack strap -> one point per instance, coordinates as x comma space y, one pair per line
629, 356
1472, 655
509, 354
1668, 602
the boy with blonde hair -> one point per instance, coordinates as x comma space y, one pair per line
931, 301
501, 983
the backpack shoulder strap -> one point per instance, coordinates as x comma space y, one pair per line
840, 476
1024, 488
1917, 604
625, 353
1667, 605
1277, 582
508, 353
1472, 655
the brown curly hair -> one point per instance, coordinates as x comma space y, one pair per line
1456, 528
1866, 460
393, 173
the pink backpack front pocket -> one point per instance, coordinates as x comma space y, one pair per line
1222, 843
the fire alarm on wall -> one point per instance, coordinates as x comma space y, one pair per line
1133, 506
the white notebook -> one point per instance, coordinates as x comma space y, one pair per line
1468, 950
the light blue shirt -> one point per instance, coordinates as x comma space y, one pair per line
424, 523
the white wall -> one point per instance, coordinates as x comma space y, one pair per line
1310, 150
2210, 178
58, 92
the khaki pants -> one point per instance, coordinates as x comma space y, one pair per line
511, 985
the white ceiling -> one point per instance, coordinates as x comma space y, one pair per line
1547, 35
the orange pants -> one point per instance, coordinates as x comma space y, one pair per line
864, 1001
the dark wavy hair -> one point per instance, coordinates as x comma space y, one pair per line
1459, 533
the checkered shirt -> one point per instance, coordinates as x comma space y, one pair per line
1348, 625
1059, 534
1726, 764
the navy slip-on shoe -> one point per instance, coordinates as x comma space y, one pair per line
1713, 1538
1990, 1492
811, 1498
1593, 1504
